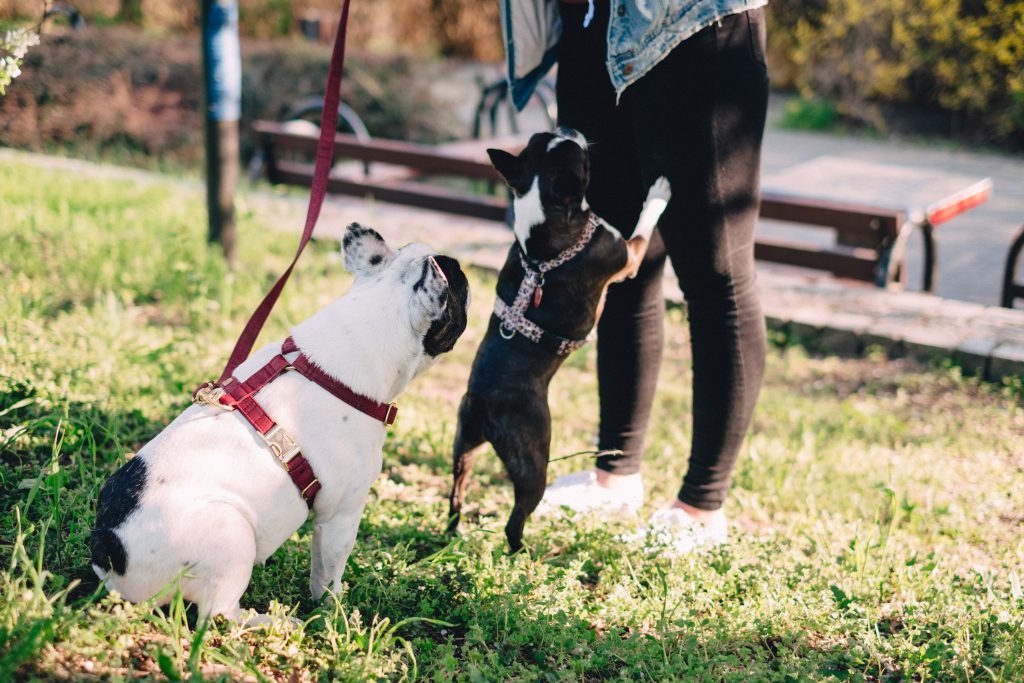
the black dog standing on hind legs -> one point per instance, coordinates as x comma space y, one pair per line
549, 297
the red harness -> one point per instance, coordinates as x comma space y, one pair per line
235, 394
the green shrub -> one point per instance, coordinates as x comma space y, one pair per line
965, 57
810, 114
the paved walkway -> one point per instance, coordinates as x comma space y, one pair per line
971, 248
817, 310
986, 340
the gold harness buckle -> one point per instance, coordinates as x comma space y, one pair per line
284, 448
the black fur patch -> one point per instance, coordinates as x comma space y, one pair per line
118, 499
356, 231
423, 277
447, 329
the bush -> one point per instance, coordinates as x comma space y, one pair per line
464, 28
965, 57
119, 93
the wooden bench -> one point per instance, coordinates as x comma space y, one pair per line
869, 246
869, 241
288, 156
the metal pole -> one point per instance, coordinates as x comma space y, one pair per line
222, 87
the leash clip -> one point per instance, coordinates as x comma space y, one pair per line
209, 394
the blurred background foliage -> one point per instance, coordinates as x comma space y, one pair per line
961, 61
465, 28
948, 68
120, 94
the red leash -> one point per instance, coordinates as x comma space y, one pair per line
230, 393
324, 156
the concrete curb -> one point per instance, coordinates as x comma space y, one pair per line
984, 340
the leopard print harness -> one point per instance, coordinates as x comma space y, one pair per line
512, 317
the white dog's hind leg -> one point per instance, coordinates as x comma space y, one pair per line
216, 582
332, 544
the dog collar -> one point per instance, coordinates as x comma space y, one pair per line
512, 317
235, 394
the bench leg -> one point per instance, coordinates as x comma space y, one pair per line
892, 264
1011, 290
931, 263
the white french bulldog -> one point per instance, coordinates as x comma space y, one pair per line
206, 499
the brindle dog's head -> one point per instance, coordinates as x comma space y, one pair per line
556, 165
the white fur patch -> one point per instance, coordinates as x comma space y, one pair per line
563, 134
529, 212
555, 142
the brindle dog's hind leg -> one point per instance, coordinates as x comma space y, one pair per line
524, 445
468, 440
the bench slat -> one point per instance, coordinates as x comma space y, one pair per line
425, 158
855, 224
408, 194
847, 262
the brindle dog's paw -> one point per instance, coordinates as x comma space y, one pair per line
660, 189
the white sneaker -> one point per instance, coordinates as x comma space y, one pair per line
671, 531
581, 493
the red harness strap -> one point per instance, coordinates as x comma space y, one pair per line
385, 412
235, 394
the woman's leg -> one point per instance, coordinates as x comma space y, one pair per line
630, 334
698, 118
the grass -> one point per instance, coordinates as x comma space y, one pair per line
878, 505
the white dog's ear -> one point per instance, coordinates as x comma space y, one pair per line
365, 250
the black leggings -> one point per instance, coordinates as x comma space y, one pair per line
697, 117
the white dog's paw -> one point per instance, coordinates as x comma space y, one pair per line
660, 189
266, 621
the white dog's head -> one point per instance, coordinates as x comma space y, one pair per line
414, 284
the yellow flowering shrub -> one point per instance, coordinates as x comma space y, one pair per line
964, 56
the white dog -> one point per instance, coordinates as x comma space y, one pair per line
207, 498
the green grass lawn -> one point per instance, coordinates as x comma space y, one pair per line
878, 505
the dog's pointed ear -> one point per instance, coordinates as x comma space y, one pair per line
511, 169
365, 250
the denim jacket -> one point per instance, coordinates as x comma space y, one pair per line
640, 34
